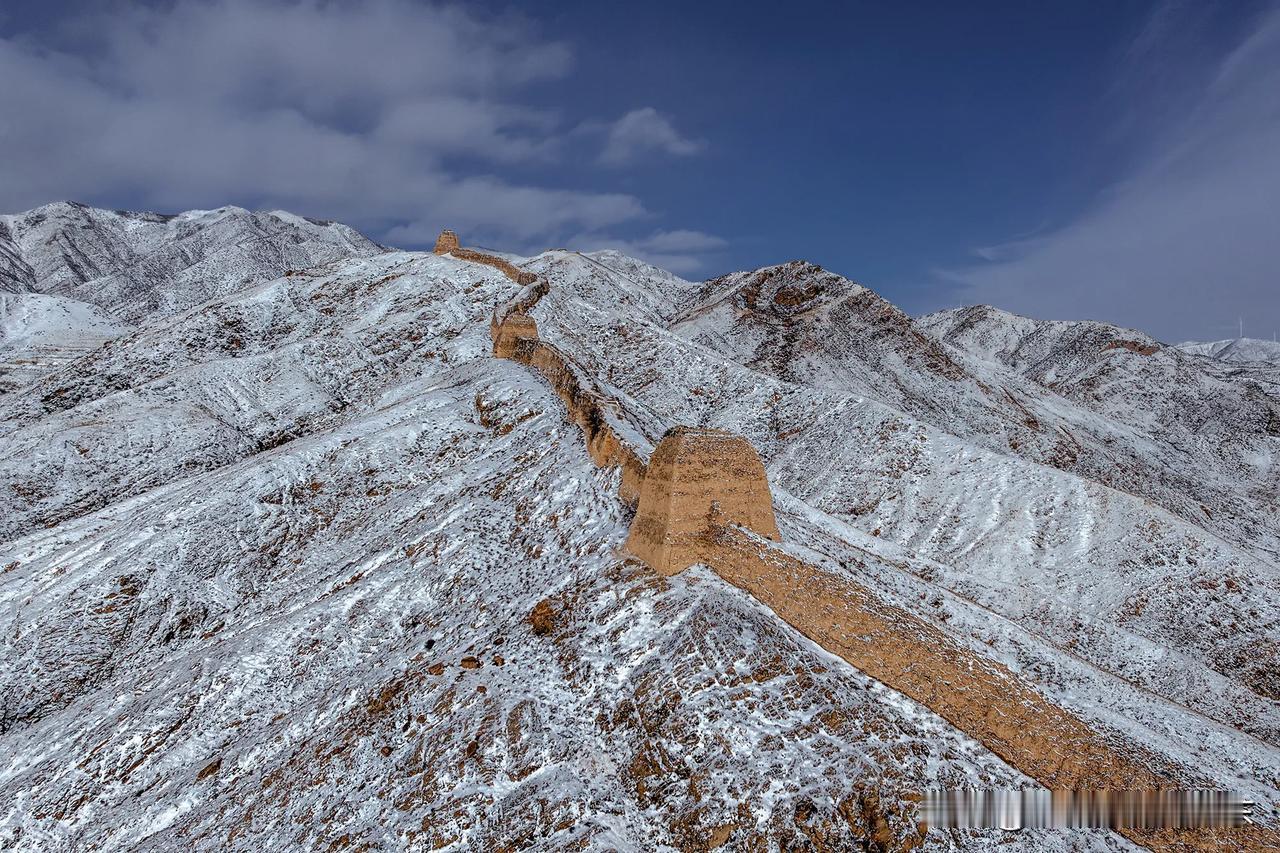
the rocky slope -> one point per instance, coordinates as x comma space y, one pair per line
1105, 403
303, 565
72, 276
40, 334
132, 265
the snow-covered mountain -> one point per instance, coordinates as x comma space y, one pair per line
1107, 403
72, 276
1236, 349
40, 334
303, 565
132, 265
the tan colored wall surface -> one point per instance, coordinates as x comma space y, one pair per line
702, 487
505, 333
447, 244
690, 469
605, 447
978, 696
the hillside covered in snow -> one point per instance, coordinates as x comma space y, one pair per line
72, 276
1236, 349
294, 561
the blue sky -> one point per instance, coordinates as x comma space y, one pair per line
1116, 161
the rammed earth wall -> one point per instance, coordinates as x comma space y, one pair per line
691, 471
447, 244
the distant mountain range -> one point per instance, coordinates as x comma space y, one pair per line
270, 545
72, 275
1236, 349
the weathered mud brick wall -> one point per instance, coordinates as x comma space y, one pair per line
604, 446
980, 697
692, 469
524, 301
504, 333
447, 244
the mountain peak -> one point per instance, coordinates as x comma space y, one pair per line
1242, 350
131, 264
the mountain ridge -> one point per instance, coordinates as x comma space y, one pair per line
70, 263
282, 548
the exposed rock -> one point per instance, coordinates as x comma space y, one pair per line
1134, 347
542, 618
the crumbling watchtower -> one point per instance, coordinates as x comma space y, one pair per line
446, 242
691, 469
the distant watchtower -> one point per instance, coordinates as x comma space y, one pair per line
446, 242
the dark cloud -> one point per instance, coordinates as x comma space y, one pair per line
396, 116
1187, 241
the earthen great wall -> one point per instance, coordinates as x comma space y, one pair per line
447, 244
702, 497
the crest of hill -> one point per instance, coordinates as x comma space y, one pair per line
1240, 350
1107, 403
627, 287
1034, 347
132, 265
274, 530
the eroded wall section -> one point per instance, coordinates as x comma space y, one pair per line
691, 471
447, 244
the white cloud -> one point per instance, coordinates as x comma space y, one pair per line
682, 251
377, 113
642, 132
1187, 241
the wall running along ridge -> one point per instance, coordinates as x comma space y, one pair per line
606, 447
689, 512
447, 244
980, 697
515, 336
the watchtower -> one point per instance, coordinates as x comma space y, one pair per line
691, 469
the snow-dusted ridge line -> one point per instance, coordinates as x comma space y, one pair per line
386, 501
